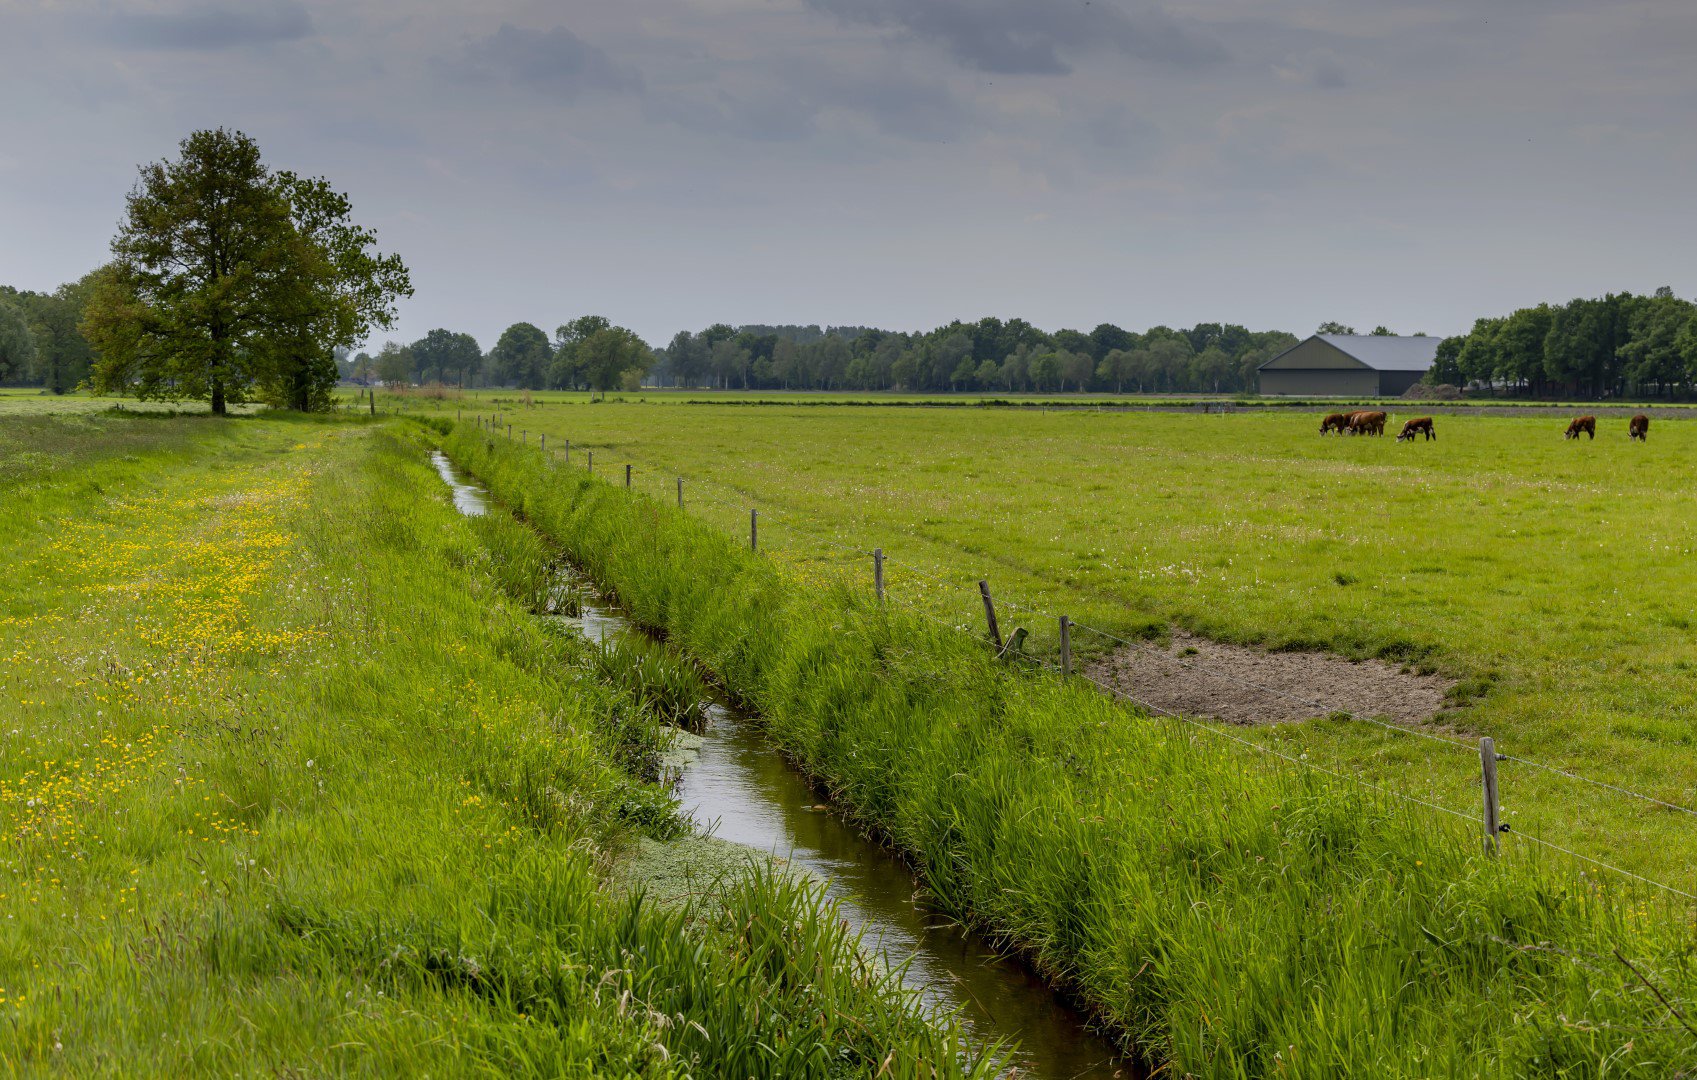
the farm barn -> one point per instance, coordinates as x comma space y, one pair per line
1349, 365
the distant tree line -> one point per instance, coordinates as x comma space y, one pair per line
987, 355
1615, 346
40, 340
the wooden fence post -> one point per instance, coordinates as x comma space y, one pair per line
680, 493
878, 573
990, 613
371, 398
568, 451
754, 530
627, 476
542, 441
1488, 769
1066, 645
592, 461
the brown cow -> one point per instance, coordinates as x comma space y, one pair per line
1333, 422
1586, 424
1415, 427
1367, 423
1639, 428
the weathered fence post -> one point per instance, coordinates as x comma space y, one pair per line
627, 476
371, 397
878, 573
1488, 769
542, 441
1066, 645
591, 461
509, 431
754, 530
680, 493
568, 451
990, 613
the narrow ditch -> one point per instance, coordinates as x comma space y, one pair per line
741, 789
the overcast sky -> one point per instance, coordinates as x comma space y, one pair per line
671, 163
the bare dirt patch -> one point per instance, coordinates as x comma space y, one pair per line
1199, 677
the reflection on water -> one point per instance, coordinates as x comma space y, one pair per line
742, 790
469, 499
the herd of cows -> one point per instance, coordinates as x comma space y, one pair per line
1373, 423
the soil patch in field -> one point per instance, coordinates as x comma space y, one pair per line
1198, 677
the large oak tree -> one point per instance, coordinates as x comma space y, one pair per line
230, 282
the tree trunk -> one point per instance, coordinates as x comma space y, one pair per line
218, 406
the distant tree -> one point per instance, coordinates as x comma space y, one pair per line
1077, 368
394, 364
521, 357
1382, 331
730, 362
1652, 355
687, 356
228, 280
17, 344
363, 368
1334, 328
1046, 370
568, 370
1107, 337
446, 356
1446, 366
609, 354
1477, 357
987, 374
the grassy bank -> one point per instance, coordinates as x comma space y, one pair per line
1231, 918
291, 784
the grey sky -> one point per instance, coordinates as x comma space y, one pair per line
670, 163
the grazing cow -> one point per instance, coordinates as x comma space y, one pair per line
1585, 424
1334, 422
1367, 423
1639, 428
1420, 425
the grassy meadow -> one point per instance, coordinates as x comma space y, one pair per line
1231, 914
1551, 578
293, 783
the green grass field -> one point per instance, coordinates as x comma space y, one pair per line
1552, 578
292, 783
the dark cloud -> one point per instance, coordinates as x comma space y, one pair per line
556, 63
1032, 37
212, 26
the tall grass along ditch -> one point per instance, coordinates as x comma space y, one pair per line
1228, 915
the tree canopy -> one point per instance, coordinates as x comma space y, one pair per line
230, 282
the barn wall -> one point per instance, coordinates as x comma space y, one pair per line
1393, 383
1322, 383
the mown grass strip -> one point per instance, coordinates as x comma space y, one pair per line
1229, 917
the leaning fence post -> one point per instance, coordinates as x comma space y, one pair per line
754, 530
627, 476
990, 613
878, 573
680, 493
1488, 769
1066, 645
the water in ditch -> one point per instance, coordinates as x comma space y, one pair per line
743, 790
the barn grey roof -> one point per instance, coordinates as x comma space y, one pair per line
1386, 353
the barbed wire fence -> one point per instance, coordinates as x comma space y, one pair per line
745, 511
